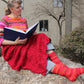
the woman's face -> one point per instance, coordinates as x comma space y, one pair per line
16, 10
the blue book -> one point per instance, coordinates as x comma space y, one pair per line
12, 33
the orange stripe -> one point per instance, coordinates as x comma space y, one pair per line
1, 34
18, 27
14, 20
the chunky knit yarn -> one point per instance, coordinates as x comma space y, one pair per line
31, 56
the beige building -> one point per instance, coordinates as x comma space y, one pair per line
52, 29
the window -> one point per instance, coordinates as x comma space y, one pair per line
43, 25
22, 5
57, 3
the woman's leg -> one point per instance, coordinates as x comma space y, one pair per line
50, 65
60, 68
70, 73
51, 54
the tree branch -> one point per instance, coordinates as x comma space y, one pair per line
5, 1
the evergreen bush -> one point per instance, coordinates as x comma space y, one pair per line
72, 45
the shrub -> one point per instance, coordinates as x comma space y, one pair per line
73, 45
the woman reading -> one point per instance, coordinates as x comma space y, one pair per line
36, 53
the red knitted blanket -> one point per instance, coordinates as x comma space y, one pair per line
31, 56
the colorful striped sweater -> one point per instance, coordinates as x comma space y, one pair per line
6, 21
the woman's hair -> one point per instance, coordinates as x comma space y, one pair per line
10, 4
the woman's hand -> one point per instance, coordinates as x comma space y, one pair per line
34, 33
19, 41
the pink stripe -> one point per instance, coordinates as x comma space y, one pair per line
22, 18
16, 24
1, 27
3, 24
14, 18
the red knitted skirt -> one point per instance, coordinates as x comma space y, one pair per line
31, 56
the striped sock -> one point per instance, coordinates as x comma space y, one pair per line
54, 58
70, 73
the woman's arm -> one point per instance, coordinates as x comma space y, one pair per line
16, 42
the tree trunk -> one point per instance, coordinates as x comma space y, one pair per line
68, 16
60, 33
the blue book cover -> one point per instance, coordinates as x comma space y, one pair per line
13, 34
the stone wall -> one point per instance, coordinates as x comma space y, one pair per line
9, 76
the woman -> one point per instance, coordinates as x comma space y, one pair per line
36, 53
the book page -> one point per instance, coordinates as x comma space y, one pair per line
31, 27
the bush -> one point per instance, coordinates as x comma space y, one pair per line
73, 45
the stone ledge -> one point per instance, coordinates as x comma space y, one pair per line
9, 76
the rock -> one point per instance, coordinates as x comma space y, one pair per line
9, 76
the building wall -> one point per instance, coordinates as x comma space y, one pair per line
53, 27
2, 8
27, 12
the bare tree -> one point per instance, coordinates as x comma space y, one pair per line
46, 8
5, 1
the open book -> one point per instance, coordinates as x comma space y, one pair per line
12, 33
